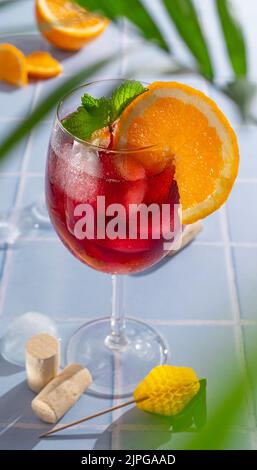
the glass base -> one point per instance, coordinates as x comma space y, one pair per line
40, 214
17, 224
116, 373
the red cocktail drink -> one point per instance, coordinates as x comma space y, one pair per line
84, 183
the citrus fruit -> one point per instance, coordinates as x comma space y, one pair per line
101, 138
67, 25
41, 64
186, 127
13, 68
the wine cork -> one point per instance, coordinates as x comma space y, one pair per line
42, 360
61, 393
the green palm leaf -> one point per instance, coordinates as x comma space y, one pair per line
215, 433
134, 11
184, 17
234, 38
47, 104
4, 3
227, 409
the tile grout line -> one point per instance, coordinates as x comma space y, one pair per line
131, 427
103, 427
246, 180
15, 174
28, 425
19, 194
10, 174
194, 243
239, 339
192, 322
244, 244
21, 118
206, 243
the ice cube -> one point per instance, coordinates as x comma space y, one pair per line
86, 159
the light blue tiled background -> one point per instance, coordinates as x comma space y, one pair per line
203, 301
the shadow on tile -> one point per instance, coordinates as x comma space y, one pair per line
6, 368
137, 430
74, 437
144, 433
15, 410
60, 54
130, 421
6, 88
26, 42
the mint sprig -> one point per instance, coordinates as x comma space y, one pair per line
96, 113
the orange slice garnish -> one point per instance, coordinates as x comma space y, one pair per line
13, 68
41, 64
189, 129
67, 25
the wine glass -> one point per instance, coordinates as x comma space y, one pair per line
93, 193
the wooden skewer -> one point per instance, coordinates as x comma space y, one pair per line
87, 418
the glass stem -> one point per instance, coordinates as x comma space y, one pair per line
117, 339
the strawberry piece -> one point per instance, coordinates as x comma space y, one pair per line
129, 168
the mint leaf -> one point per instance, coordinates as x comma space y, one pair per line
98, 110
96, 113
123, 96
89, 102
79, 124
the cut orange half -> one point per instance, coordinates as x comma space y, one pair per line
187, 127
41, 64
67, 25
13, 68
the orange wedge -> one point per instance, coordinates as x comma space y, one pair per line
189, 129
13, 68
41, 64
67, 25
